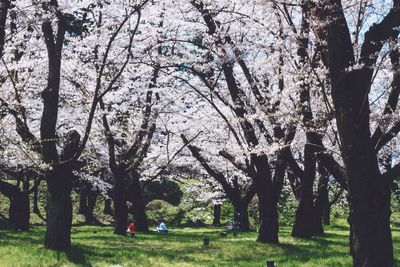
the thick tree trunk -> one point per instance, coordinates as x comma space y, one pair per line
217, 215
59, 209
269, 224
244, 219
268, 192
241, 217
371, 237
19, 211
369, 192
306, 223
305, 216
139, 207
120, 206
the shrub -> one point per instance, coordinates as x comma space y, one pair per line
161, 210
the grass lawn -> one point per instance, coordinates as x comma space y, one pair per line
97, 246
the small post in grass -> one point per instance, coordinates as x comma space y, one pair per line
206, 242
271, 263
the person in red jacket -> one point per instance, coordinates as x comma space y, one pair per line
131, 230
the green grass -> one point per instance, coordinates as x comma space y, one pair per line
97, 246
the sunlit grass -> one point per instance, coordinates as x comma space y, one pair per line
97, 246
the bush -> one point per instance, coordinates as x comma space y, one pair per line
161, 210
197, 216
168, 191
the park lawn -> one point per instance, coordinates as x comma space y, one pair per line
97, 246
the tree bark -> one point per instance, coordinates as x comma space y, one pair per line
305, 214
120, 206
139, 207
370, 223
269, 225
268, 201
19, 211
241, 216
87, 202
35, 208
91, 203
59, 209
369, 191
83, 200
244, 218
107, 206
322, 205
217, 215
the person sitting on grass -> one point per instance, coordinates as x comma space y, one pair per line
162, 228
131, 230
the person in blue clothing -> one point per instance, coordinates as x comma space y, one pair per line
162, 228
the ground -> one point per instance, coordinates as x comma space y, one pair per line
97, 246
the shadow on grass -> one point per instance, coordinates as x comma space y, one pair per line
76, 255
170, 250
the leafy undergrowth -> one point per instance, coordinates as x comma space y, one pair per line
97, 246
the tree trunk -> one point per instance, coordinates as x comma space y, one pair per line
19, 211
59, 209
91, 203
269, 224
120, 206
241, 217
327, 215
322, 205
107, 206
83, 200
369, 192
217, 215
268, 196
305, 221
139, 207
371, 237
35, 208
305, 216
244, 219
